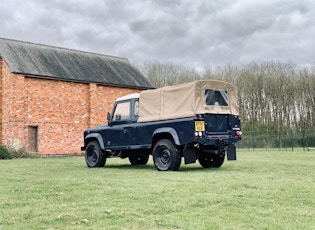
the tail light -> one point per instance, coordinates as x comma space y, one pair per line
238, 133
199, 126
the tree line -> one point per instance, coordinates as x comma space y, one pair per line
271, 95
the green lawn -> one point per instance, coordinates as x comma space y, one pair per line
261, 190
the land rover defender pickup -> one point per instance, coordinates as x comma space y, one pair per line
195, 121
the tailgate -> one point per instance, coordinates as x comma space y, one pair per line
217, 123
222, 126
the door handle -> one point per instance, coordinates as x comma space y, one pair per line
125, 131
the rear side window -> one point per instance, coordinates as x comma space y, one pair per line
136, 109
216, 97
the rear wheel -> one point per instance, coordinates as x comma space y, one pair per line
94, 155
166, 155
207, 160
139, 159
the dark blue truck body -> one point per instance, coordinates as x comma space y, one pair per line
204, 137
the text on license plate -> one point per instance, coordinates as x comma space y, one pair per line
199, 126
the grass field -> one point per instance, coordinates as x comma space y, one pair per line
262, 190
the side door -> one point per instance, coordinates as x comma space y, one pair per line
119, 135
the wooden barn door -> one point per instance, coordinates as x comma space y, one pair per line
32, 138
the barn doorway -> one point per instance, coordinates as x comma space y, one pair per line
32, 139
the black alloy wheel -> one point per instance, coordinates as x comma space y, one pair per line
139, 159
166, 155
207, 160
94, 155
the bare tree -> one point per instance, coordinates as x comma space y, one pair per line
272, 95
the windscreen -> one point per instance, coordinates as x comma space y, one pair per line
216, 97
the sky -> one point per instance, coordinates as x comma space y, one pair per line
192, 33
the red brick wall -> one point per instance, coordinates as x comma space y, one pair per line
1, 63
61, 111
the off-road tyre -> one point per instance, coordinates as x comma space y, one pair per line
139, 159
207, 160
166, 155
94, 155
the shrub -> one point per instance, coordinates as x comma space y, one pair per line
4, 153
22, 153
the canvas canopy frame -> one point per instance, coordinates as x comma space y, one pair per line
185, 100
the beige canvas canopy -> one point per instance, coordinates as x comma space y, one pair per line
185, 100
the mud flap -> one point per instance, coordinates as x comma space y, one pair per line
231, 152
190, 155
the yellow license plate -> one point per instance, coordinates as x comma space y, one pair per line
199, 126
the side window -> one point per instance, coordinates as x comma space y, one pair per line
216, 97
122, 111
136, 109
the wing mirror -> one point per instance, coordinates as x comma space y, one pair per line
109, 119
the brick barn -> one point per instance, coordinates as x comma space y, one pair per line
49, 95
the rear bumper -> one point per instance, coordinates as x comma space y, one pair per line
218, 136
217, 140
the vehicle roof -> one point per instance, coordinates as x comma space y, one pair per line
184, 100
128, 97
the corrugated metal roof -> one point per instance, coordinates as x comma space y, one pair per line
70, 65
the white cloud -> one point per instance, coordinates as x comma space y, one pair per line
188, 32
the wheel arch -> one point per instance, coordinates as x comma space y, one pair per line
165, 133
94, 137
